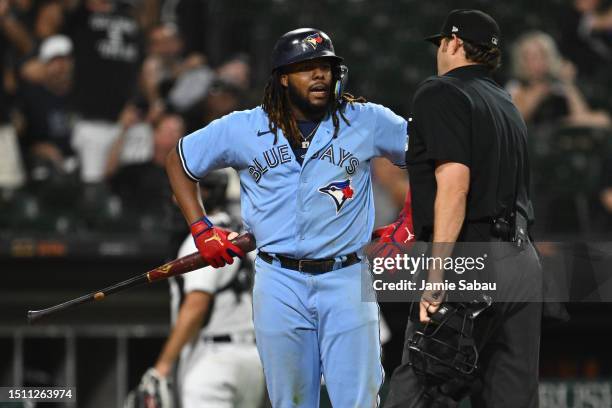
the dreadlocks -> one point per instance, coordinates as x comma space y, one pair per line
276, 104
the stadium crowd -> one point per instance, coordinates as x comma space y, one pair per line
94, 93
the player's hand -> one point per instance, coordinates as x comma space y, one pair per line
567, 72
213, 243
129, 116
163, 369
401, 230
154, 391
392, 239
383, 233
430, 303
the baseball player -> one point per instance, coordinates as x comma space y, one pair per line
213, 336
303, 158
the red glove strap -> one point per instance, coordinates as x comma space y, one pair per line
200, 226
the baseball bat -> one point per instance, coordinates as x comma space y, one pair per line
187, 263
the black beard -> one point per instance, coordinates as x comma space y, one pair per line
303, 105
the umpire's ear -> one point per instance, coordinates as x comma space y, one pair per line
454, 44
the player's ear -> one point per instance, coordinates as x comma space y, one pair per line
284, 80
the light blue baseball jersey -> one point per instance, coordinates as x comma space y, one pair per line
321, 209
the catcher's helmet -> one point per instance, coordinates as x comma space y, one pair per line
213, 188
301, 45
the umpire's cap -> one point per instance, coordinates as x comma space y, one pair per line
301, 45
474, 26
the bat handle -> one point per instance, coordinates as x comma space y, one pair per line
35, 315
246, 242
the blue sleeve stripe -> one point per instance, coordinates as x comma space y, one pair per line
179, 149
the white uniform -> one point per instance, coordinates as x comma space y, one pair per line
214, 374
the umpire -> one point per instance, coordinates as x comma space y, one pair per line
469, 177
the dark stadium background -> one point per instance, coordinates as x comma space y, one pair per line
103, 348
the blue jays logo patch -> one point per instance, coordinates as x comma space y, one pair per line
339, 191
313, 40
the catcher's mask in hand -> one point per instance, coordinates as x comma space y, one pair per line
444, 348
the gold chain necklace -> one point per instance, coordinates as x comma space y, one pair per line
306, 140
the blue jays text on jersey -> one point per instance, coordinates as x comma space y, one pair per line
280, 155
321, 209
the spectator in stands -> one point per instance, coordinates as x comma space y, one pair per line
144, 187
48, 19
236, 71
168, 77
217, 29
224, 94
14, 41
46, 108
586, 35
544, 90
13, 31
107, 38
222, 98
134, 144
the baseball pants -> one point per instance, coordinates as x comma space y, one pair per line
223, 375
312, 324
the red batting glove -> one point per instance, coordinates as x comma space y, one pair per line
394, 238
212, 243
401, 231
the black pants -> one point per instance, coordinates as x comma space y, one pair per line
507, 336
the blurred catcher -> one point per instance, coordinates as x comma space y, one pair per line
212, 337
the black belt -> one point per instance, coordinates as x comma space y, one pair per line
309, 265
499, 228
226, 338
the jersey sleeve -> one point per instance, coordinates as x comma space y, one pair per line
206, 279
442, 119
390, 136
209, 148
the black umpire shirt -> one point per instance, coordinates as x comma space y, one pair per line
465, 117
